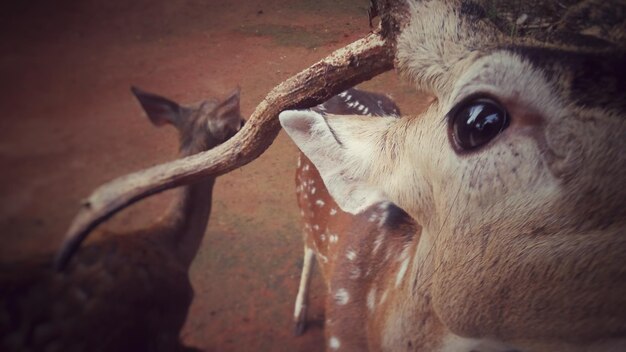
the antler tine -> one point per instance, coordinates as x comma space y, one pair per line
346, 67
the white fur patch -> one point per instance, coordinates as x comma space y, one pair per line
355, 273
334, 343
403, 267
342, 297
371, 299
383, 297
351, 255
378, 241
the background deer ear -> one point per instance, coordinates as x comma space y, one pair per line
227, 119
342, 167
160, 110
229, 108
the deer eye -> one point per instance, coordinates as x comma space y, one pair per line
476, 122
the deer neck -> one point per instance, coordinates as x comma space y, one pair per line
188, 216
413, 312
404, 307
405, 318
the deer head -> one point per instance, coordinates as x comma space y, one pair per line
221, 119
515, 173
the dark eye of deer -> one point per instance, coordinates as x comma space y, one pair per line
478, 122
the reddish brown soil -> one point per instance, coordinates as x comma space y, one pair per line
69, 123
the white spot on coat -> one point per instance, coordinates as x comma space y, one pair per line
355, 273
384, 208
333, 238
334, 343
342, 296
333, 211
351, 255
402, 271
313, 190
383, 297
320, 203
378, 241
388, 254
371, 299
405, 252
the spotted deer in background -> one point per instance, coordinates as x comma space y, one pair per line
125, 292
495, 220
317, 207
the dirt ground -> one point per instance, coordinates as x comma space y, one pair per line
69, 123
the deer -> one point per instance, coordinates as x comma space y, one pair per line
123, 292
315, 203
499, 208
492, 221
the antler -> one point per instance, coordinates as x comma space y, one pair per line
346, 67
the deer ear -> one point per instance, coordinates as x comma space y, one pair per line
160, 110
229, 108
343, 167
227, 119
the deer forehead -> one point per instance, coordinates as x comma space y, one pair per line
514, 82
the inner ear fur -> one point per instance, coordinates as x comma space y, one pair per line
342, 168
